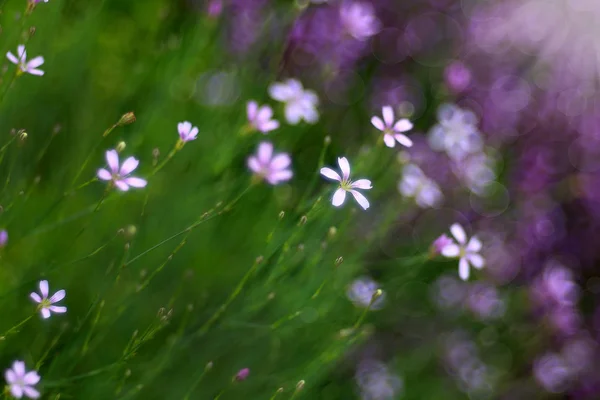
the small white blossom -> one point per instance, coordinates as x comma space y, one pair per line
361, 292
346, 185
392, 130
359, 20
416, 184
22, 382
260, 118
300, 104
187, 132
456, 132
30, 67
46, 305
120, 175
467, 252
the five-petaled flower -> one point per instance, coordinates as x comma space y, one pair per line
274, 168
260, 118
300, 104
46, 305
120, 176
467, 252
187, 132
359, 20
392, 130
30, 67
22, 382
346, 185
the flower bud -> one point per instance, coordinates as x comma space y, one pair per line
127, 119
242, 374
120, 146
300, 385
281, 215
339, 261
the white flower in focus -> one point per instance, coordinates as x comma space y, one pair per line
21, 382
392, 130
456, 132
260, 117
120, 176
20, 60
46, 305
359, 20
274, 169
416, 184
361, 292
467, 252
187, 132
300, 104
346, 185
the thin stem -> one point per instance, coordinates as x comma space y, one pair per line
315, 177
178, 146
15, 329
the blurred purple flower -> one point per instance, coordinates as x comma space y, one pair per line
358, 19
376, 382
361, 292
274, 168
483, 300
3, 238
552, 373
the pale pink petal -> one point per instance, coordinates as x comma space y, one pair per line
338, 197
360, 199
361, 184
268, 126
389, 140
388, 115
10, 376
19, 369
459, 233
31, 378
463, 269
58, 296
403, 125
295, 86
121, 185
264, 113
403, 140
58, 309
31, 392
310, 115
265, 152
476, 260
254, 165
136, 182
112, 159
45, 313
129, 165
294, 112
36, 62
104, 174
12, 58
311, 97
450, 250
378, 123
37, 72
331, 174
16, 391
280, 92
21, 53
44, 289
251, 108
193, 133
35, 297
474, 245
279, 176
280, 161
345, 167
184, 128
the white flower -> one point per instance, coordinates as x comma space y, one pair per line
361, 292
300, 104
346, 185
260, 117
467, 252
187, 132
21, 382
416, 184
21, 61
120, 176
392, 130
46, 304
359, 20
456, 133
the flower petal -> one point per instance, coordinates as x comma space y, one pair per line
12, 58
121, 185
31, 392
476, 260
19, 369
104, 174
253, 164
276, 177
44, 289
360, 199
264, 113
21, 53
294, 112
16, 391
345, 167
58, 309
310, 114
264, 153
403, 125
463, 269
331, 174
362, 184
474, 245
378, 123
112, 159
403, 140
35, 297
36, 62
193, 134
388, 115
389, 140
338, 197
280, 161
269, 126
136, 182
251, 109
45, 313
58, 296
31, 378
129, 165
10, 376
280, 92
450, 250
459, 233
37, 72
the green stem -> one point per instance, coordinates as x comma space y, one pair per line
15, 329
178, 146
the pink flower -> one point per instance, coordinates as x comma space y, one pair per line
359, 20
300, 103
20, 60
120, 176
274, 168
346, 185
21, 382
187, 132
392, 130
468, 253
46, 306
260, 117
242, 374
440, 243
